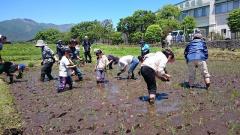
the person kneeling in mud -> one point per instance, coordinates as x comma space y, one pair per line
101, 66
10, 69
64, 71
154, 66
124, 62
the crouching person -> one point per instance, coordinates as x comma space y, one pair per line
196, 55
101, 66
112, 60
11, 70
153, 66
64, 71
130, 61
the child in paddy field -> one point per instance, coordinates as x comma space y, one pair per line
10, 69
102, 63
130, 61
2, 41
64, 71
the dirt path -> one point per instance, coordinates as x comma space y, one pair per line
116, 108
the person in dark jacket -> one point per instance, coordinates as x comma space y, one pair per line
10, 69
196, 55
48, 60
87, 49
60, 49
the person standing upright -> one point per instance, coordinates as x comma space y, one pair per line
87, 50
2, 41
169, 39
48, 60
196, 55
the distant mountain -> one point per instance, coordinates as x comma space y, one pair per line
25, 29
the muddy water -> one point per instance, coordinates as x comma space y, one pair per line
119, 106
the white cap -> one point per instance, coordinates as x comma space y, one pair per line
40, 43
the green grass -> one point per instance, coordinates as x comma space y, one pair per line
9, 118
29, 53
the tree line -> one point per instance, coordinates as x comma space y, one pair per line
146, 25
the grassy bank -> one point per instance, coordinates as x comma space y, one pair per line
28, 53
9, 118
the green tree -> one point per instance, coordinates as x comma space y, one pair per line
168, 12
49, 35
234, 21
92, 29
153, 33
137, 22
188, 24
116, 38
168, 25
136, 37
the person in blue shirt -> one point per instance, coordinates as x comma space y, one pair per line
145, 48
196, 55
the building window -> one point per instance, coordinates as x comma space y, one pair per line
201, 12
226, 6
236, 4
187, 4
193, 3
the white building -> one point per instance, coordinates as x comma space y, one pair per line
210, 15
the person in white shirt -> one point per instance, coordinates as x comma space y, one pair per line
130, 61
100, 68
169, 39
64, 71
154, 66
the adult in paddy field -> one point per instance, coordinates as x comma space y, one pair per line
48, 60
153, 66
2, 41
126, 61
60, 49
196, 55
87, 50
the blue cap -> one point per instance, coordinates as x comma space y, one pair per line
21, 67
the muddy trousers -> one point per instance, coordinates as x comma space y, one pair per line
87, 56
149, 77
46, 70
100, 75
202, 65
64, 81
78, 72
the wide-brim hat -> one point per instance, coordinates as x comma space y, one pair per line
40, 43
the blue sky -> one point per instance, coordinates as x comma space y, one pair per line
75, 11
